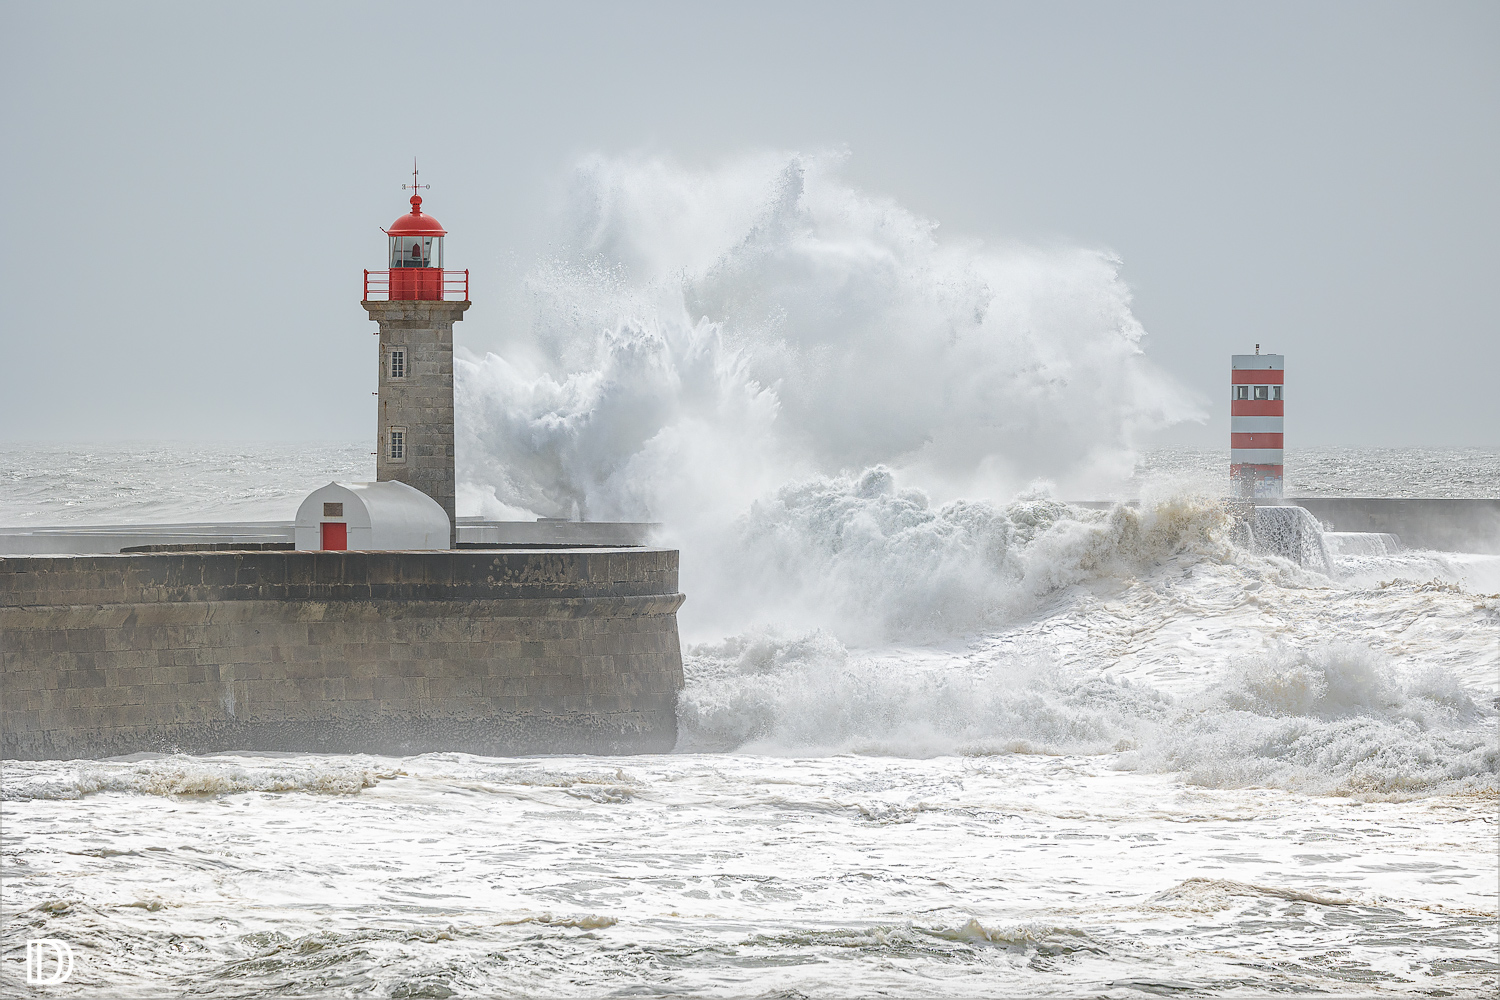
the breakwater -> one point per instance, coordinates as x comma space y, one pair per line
1445, 524
491, 652
1453, 525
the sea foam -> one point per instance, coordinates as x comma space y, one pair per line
1332, 720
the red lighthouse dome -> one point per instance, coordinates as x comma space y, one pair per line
416, 222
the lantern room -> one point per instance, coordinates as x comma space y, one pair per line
414, 256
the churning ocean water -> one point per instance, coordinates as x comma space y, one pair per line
943, 733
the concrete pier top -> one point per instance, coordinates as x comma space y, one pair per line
452, 575
473, 532
1451, 525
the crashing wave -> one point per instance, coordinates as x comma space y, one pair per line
1333, 720
707, 336
870, 559
1290, 532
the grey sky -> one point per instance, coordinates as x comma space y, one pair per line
195, 188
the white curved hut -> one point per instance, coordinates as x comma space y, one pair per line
388, 515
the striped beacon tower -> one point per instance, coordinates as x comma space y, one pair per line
1255, 425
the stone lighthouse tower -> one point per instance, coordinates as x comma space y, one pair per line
416, 303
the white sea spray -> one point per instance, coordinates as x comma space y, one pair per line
709, 338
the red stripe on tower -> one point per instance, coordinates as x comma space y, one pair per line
1248, 376
1257, 394
1255, 407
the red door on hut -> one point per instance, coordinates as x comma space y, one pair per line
335, 535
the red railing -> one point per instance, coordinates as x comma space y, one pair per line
418, 283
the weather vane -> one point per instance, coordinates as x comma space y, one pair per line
414, 186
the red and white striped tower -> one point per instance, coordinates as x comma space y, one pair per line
1255, 424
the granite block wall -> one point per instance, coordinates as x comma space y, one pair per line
379, 652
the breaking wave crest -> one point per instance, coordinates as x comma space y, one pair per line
1041, 939
766, 692
878, 561
1207, 895
1335, 720
186, 775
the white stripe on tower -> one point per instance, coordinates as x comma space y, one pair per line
1254, 456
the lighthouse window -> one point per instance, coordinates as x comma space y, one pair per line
1275, 392
1262, 392
398, 362
416, 251
397, 450
1242, 392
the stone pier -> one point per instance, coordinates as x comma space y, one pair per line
489, 652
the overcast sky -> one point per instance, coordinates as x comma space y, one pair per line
194, 189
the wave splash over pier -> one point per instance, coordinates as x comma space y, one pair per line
705, 336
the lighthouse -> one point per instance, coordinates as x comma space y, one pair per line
416, 302
1256, 385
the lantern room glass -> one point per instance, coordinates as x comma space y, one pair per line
416, 251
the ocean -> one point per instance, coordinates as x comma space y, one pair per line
1138, 761
943, 733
